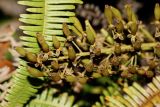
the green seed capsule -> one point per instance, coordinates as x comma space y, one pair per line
21, 51
71, 53
129, 12
42, 42
141, 71
88, 65
70, 78
149, 74
157, 12
134, 28
55, 64
117, 49
119, 26
55, 77
108, 14
56, 42
35, 72
66, 30
157, 50
116, 13
77, 24
90, 33
31, 57
82, 80
96, 75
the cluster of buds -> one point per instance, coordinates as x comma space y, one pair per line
85, 54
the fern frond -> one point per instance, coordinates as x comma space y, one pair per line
47, 99
138, 96
46, 17
21, 89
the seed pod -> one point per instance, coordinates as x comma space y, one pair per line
70, 78
56, 42
96, 75
55, 64
149, 74
64, 51
66, 30
157, 50
116, 13
141, 71
55, 77
82, 80
129, 12
31, 57
88, 65
108, 14
42, 42
133, 28
157, 12
119, 26
117, 49
21, 51
91, 34
71, 53
77, 24
35, 72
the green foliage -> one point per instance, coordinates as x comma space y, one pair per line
48, 99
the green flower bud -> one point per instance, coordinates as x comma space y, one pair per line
71, 53
21, 51
133, 28
55, 77
88, 65
119, 26
157, 12
31, 57
56, 42
149, 74
117, 49
66, 30
55, 64
141, 71
116, 13
70, 78
82, 80
96, 75
91, 34
129, 12
42, 42
108, 14
77, 24
35, 72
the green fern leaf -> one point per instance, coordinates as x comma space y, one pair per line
47, 99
